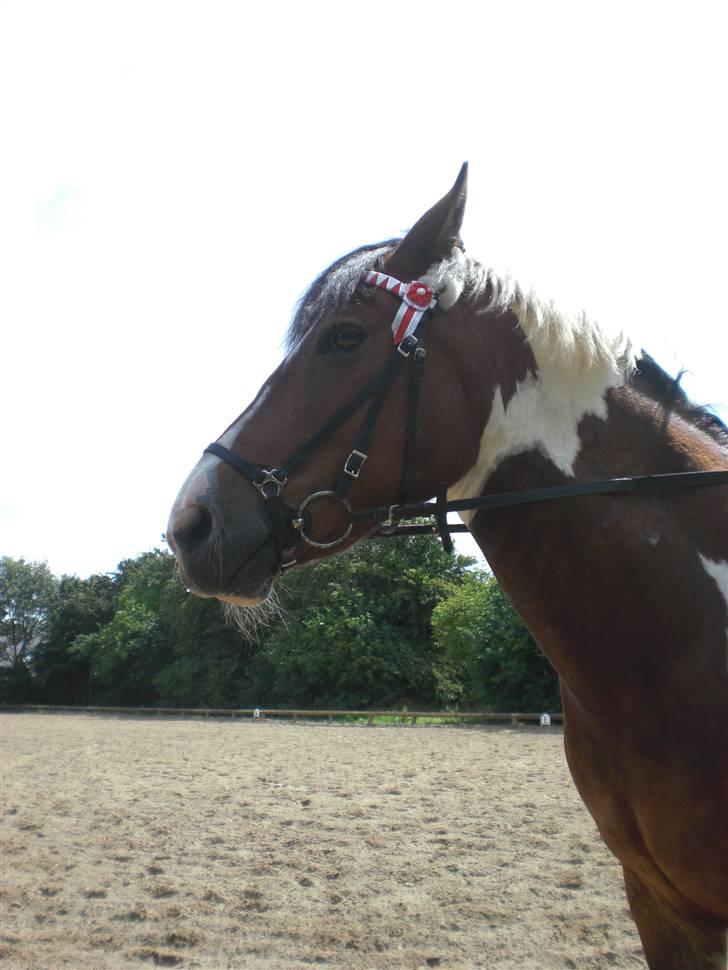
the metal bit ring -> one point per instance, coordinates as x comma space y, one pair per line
299, 523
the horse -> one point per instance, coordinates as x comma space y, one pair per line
413, 370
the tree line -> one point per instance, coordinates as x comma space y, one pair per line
388, 624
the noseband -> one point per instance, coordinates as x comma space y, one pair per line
290, 526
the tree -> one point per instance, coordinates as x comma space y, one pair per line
160, 646
208, 661
126, 653
27, 593
357, 628
387, 623
489, 660
82, 606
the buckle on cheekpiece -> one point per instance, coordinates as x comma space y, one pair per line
407, 345
354, 463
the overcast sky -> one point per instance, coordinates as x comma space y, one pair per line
173, 175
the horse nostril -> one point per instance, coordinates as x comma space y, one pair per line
191, 527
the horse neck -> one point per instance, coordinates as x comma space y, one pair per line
560, 428
530, 398
576, 403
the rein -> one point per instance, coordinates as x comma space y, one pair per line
389, 517
291, 526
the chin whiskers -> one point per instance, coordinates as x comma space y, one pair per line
251, 622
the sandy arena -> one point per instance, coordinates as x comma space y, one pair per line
133, 842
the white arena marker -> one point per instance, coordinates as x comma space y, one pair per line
545, 720
256, 713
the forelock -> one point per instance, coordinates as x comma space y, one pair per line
334, 288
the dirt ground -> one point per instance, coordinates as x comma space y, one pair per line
132, 842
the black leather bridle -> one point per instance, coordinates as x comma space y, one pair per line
291, 526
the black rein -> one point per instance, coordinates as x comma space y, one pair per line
388, 518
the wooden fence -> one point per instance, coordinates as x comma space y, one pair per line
401, 717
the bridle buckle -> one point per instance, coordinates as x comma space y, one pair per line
389, 524
270, 477
354, 463
407, 345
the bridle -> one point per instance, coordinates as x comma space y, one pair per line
291, 526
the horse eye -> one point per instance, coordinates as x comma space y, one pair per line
345, 337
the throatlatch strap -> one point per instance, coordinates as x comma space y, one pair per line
440, 516
413, 407
383, 378
358, 454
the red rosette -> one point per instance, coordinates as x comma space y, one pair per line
419, 295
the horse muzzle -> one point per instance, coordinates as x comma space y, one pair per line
236, 561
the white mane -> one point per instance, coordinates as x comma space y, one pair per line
569, 342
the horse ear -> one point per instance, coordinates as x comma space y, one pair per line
434, 236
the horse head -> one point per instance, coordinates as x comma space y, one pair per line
347, 420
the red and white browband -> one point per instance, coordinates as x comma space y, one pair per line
417, 298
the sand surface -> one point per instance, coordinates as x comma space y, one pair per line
131, 842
